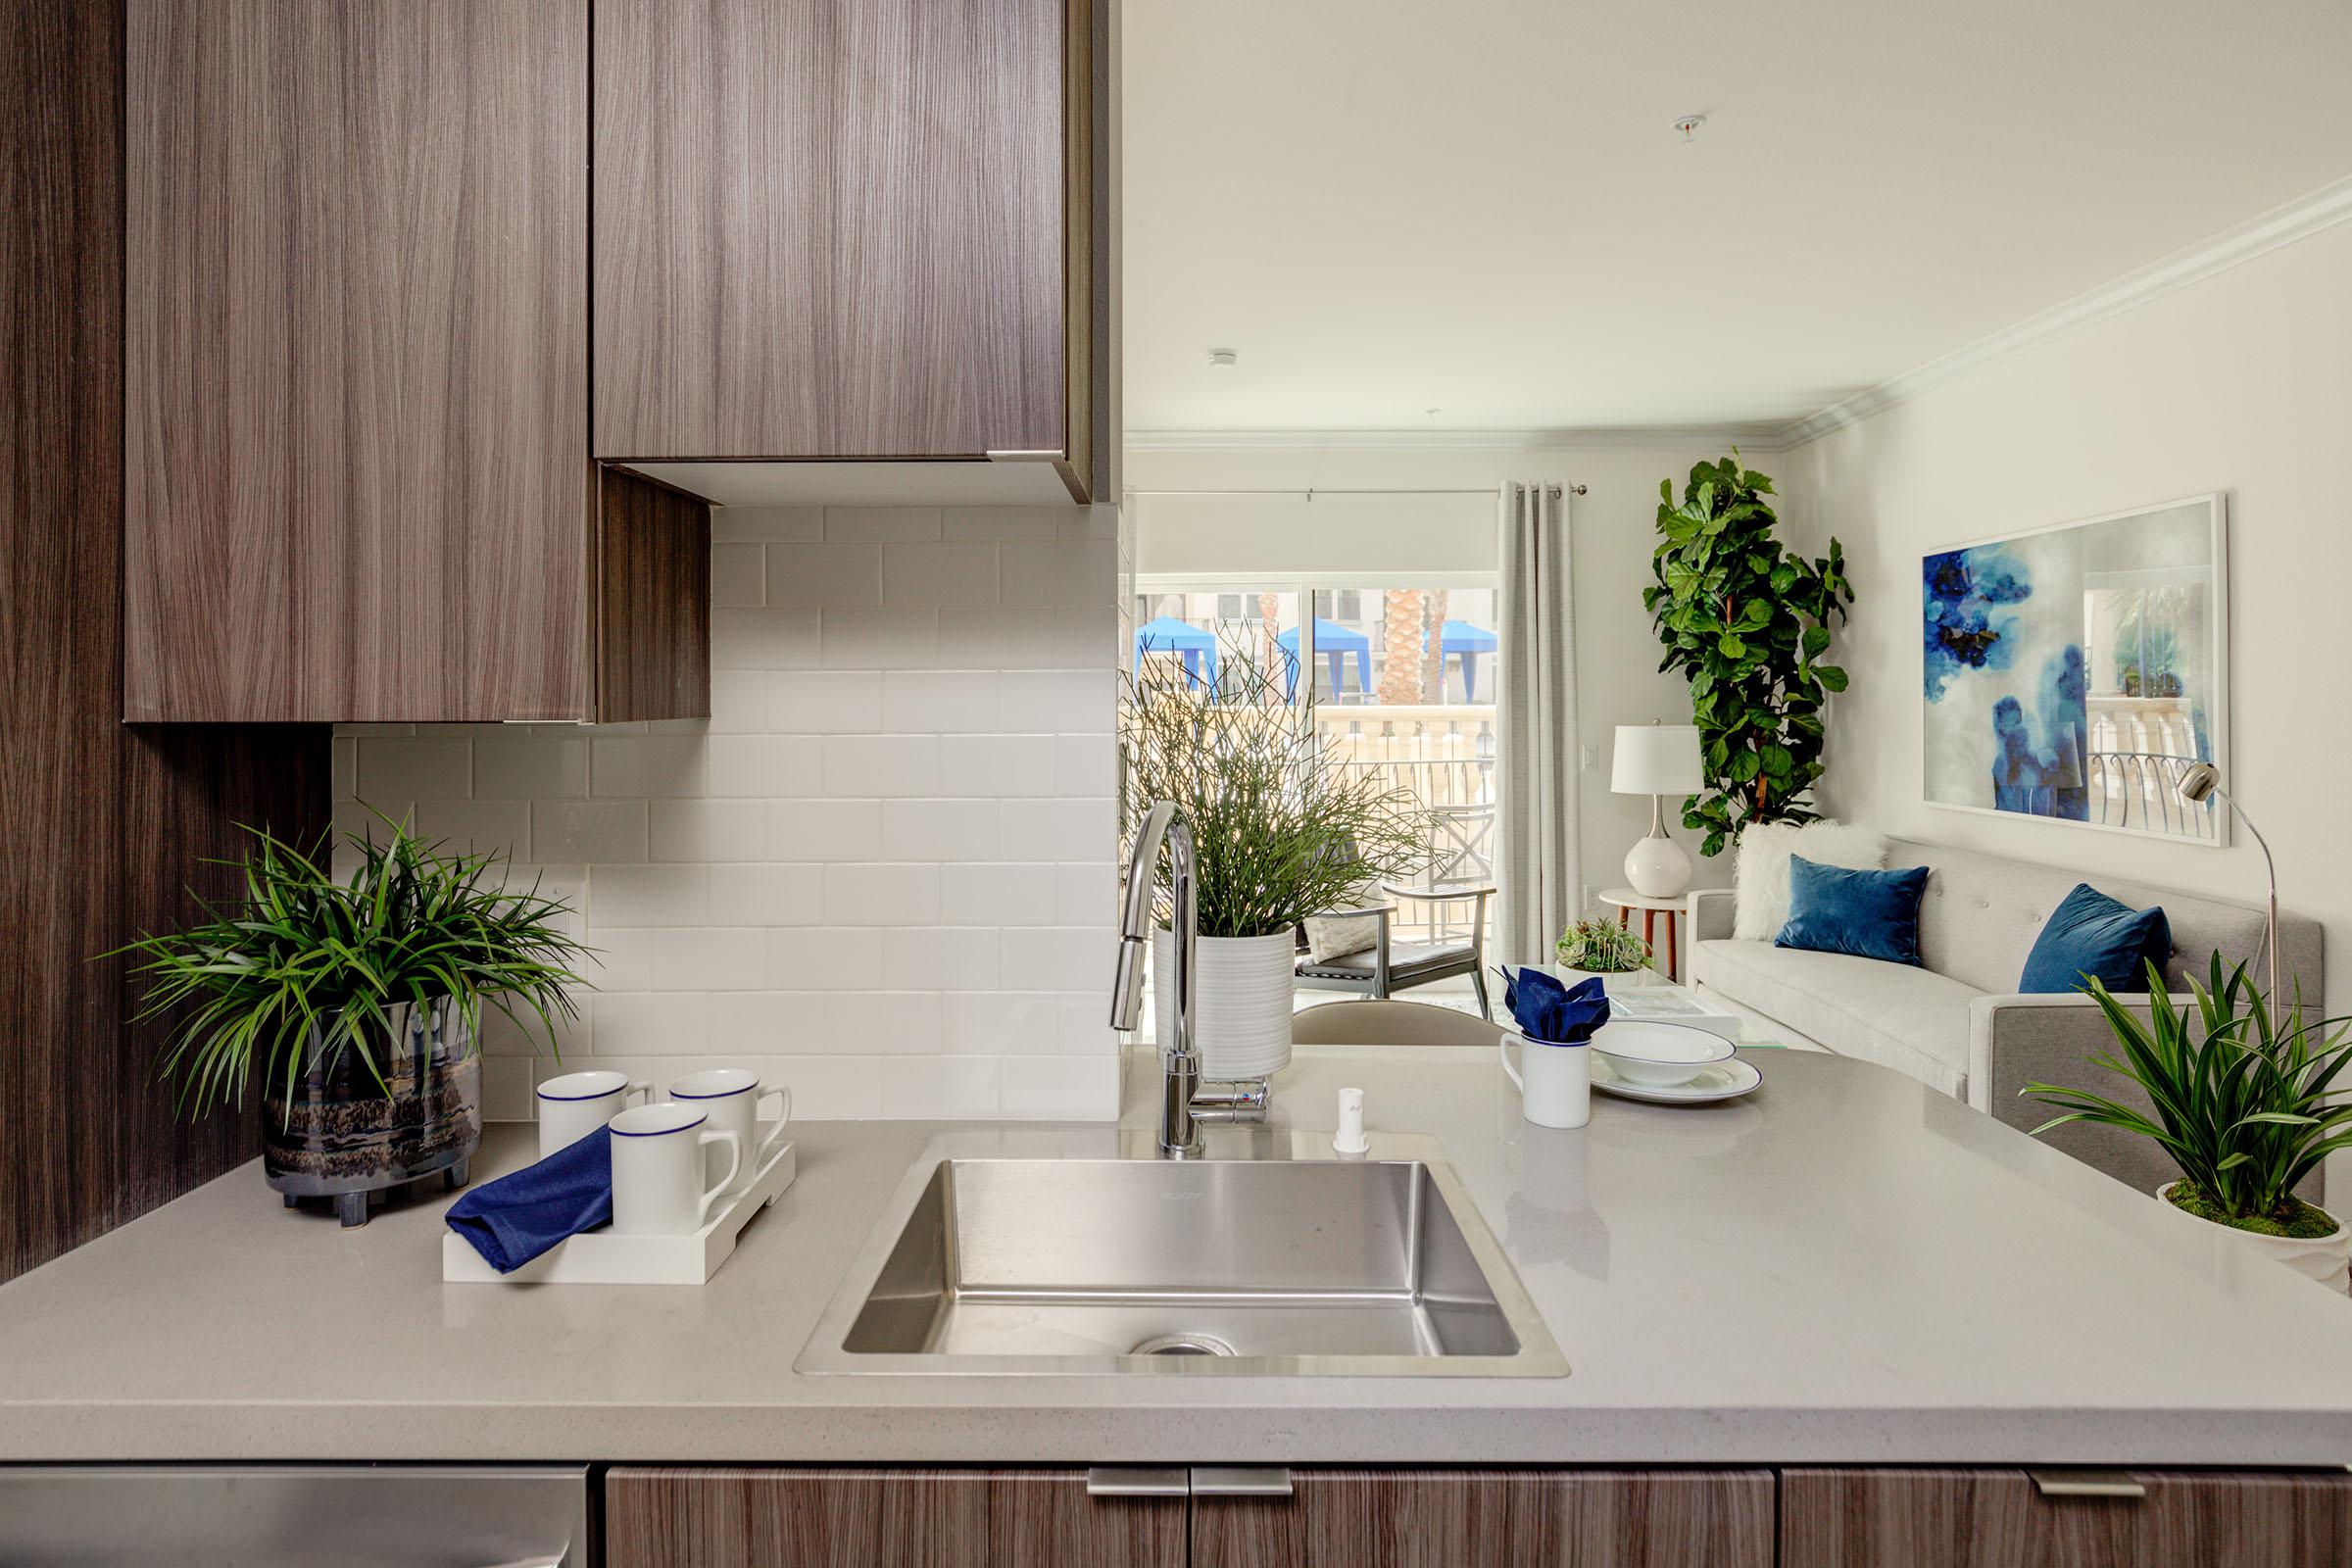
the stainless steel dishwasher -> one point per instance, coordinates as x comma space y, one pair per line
277, 1516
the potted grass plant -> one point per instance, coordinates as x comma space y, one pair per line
2241, 1099
355, 1004
1604, 950
1281, 832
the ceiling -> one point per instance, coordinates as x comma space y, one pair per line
1482, 208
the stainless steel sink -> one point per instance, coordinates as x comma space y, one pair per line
1286, 1267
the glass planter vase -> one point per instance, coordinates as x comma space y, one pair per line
347, 1131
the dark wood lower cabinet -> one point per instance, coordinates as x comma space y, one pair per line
705, 1518
1495, 1519
1993, 1518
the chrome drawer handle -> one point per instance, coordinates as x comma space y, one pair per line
1137, 1481
2086, 1484
1242, 1480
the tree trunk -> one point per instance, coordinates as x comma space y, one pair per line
1432, 649
1401, 647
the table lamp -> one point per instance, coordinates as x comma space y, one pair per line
1657, 761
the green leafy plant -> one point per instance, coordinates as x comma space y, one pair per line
2240, 1100
305, 963
1601, 947
1748, 623
1280, 831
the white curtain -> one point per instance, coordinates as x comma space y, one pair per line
1538, 882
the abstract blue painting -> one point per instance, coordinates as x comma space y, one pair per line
2074, 672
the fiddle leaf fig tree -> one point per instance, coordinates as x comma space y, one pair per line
1748, 623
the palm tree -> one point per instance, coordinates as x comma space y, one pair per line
1400, 639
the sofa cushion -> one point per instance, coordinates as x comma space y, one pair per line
1870, 914
1913, 1020
2091, 936
1761, 903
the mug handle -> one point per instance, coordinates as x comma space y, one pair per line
775, 1134
1503, 1044
639, 1087
734, 1143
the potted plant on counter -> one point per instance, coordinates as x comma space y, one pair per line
1604, 951
2240, 1101
357, 1004
1281, 832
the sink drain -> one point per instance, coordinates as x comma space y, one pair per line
1182, 1344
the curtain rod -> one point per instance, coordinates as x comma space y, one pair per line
1312, 491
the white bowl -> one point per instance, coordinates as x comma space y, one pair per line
1660, 1054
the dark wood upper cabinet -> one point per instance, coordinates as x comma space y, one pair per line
357, 481
913, 1518
1994, 1518
851, 229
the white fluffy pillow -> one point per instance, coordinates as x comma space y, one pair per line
1761, 906
1328, 938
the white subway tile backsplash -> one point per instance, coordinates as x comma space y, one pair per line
788, 524
648, 766
649, 895
939, 701
1049, 702
888, 638
767, 895
738, 576
827, 575
530, 768
597, 832
939, 573
413, 767
880, 872
709, 830
764, 639
997, 895
825, 830
881, 894
878, 523
825, 958
827, 703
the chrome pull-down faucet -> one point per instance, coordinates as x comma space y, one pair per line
1186, 1101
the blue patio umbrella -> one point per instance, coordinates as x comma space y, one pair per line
1460, 637
1168, 635
1335, 643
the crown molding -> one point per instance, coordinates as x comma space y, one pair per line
1755, 437
2282, 226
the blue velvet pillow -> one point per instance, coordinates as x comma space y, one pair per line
1870, 914
2090, 934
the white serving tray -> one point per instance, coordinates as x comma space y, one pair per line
600, 1257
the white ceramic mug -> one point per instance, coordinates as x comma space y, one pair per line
1557, 1091
732, 1097
573, 1106
659, 1182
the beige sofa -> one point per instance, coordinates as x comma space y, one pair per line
1957, 1022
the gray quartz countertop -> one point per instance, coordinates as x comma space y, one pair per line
1844, 1266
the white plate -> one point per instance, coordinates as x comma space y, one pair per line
1722, 1080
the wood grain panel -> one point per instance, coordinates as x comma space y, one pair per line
654, 600
829, 229
101, 828
1950, 1518
1495, 1519
714, 1518
356, 306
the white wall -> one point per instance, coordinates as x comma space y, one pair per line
881, 870
2241, 384
1614, 527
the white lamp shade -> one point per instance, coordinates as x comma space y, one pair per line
1655, 760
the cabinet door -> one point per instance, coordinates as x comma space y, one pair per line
1493, 1519
357, 359
1896, 1518
889, 1518
829, 229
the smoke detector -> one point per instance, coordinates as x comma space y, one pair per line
1223, 358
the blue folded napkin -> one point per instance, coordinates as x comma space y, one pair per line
1551, 1013
514, 1219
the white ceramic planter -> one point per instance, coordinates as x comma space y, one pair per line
1612, 982
1241, 1001
2325, 1259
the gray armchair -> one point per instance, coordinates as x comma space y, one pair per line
1389, 966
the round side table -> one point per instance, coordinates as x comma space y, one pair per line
1625, 900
